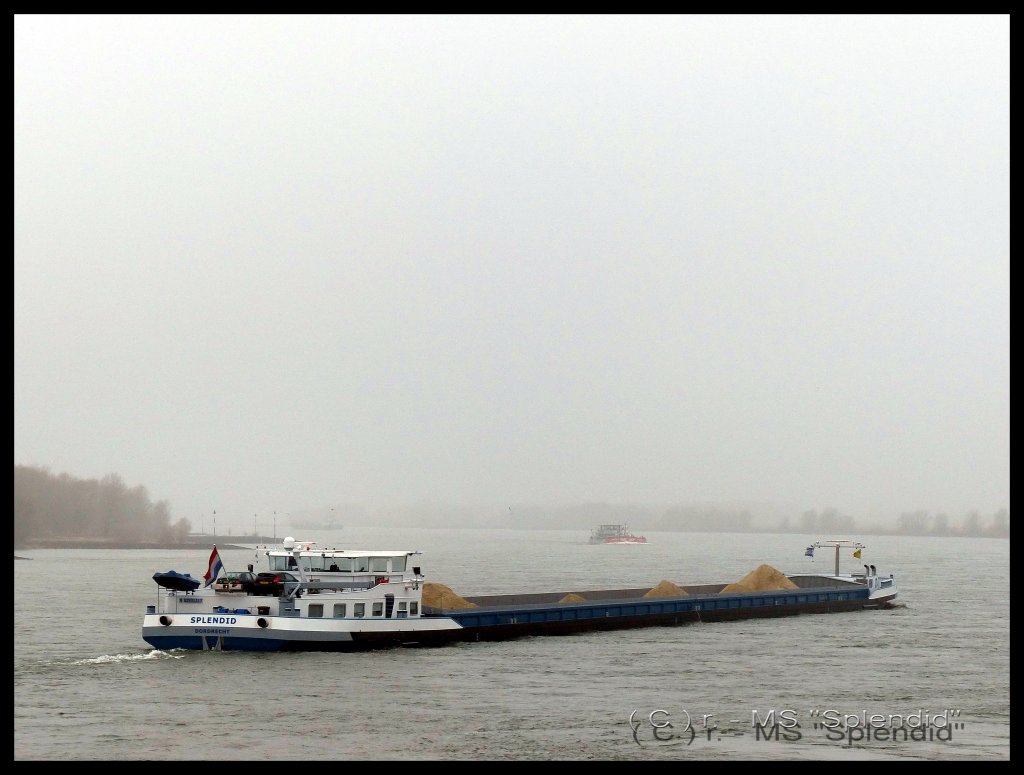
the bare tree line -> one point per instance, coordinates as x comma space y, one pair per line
710, 518
921, 522
49, 506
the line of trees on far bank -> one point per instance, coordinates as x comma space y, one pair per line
918, 523
714, 518
58, 506
834, 522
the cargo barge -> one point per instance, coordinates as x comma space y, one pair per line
321, 599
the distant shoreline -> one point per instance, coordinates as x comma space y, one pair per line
207, 542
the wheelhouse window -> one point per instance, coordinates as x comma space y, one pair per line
398, 564
361, 564
314, 564
378, 565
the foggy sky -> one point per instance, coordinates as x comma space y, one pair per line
264, 263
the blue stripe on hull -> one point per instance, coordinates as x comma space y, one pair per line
724, 606
195, 643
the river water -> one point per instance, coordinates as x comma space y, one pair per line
87, 687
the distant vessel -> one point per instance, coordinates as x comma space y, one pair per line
615, 534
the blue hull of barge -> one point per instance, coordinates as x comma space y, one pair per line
502, 622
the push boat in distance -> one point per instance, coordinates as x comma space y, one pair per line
328, 599
615, 534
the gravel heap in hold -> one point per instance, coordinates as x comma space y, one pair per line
572, 597
666, 589
761, 579
439, 596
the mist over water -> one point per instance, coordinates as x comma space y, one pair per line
276, 262
88, 687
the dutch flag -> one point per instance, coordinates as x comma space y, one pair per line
215, 568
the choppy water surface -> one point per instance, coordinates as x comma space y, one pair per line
86, 686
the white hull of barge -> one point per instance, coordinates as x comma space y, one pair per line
253, 632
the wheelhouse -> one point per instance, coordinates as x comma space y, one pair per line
356, 566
